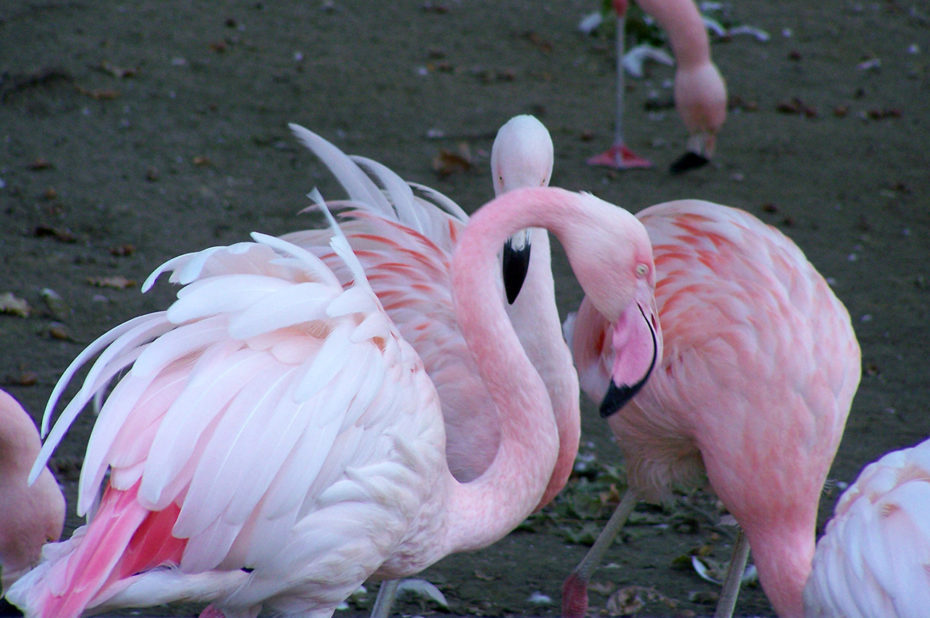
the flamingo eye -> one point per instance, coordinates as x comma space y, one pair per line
641, 270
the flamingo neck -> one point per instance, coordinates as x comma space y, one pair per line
536, 319
783, 556
487, 508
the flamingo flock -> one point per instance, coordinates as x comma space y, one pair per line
362, 397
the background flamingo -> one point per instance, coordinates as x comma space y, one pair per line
872, 559
29, 515
759, 368
700, 92
245, 446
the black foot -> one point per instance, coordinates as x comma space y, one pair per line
688, 161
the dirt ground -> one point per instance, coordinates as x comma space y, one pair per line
134, 131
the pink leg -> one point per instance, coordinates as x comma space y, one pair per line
211, 612
575, 588
619, 156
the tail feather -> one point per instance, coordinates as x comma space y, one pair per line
123, 538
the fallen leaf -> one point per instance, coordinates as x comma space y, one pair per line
123, 250
116, 71
40, 164
119, 282
447, 162
61, 234
14, 305
484, 576
24, 378
102, 94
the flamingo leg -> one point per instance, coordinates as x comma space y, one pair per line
731, 584
387, 592
619, 156
575, 588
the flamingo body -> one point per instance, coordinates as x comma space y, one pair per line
759, 368
872, 559
29, 515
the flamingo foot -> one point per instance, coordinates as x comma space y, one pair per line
211, 612
620, 157
688, 161
574, 597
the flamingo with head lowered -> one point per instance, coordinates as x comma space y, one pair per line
700, 92
30, 515
273, 440
758, 371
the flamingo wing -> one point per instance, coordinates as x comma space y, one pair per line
270, 423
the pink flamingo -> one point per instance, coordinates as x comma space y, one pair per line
31, 515
872, 559
759, 368
275, 441
700, 92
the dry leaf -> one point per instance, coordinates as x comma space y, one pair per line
14, 305
118, 281
117, 72
447, 162
40, 164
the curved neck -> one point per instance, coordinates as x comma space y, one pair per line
535, 317
517, 478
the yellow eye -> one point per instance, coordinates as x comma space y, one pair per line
641, 270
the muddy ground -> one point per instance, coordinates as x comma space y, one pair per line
133, 131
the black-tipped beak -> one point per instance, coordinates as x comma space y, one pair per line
618, 396
516, 263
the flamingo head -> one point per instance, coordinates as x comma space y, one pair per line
615, 337
522, 156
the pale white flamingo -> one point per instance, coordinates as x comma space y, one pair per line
275, 441
872, 559
700, 92
404, 234
759, 368
30, 516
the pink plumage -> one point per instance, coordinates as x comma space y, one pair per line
30, 515
759, 369
873, 557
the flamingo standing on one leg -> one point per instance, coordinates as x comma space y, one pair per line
30, 516
872, 560
700, 92
275, 441
759, 368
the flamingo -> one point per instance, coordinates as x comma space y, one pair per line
759, 368
274, 441
872, 559
700, 92
30, 515
389, 217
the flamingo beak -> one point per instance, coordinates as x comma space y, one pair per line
618, 395
516, 263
